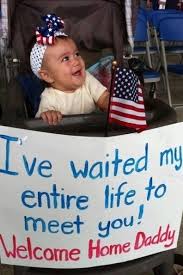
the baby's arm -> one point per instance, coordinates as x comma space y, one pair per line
103, 101
99, 92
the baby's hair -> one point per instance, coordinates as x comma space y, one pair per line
63, 37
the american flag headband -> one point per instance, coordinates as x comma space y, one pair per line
45, 36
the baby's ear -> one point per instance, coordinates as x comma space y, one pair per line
44, 75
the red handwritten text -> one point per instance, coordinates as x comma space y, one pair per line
96, 249
166, 237
30, 252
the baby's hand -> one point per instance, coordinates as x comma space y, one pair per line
51, 117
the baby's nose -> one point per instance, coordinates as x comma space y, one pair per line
76, 61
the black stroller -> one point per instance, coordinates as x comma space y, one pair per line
96, 38
99, 29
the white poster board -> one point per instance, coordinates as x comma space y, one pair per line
72, 202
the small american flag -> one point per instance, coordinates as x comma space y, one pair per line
126, 103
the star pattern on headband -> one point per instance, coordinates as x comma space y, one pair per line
54, 26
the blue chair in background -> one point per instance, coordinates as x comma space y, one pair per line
139, 47
141, 35
171, 30
156, 17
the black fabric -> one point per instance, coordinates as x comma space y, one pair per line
0, 111
82, 22
32, 87
139, 67
171, 4
155, 4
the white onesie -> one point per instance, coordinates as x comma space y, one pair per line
82, 101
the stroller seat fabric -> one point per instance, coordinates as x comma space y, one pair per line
32, 87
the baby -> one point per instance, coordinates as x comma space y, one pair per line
71, 90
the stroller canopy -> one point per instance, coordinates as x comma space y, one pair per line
94, 25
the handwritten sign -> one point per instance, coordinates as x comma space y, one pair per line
72, 202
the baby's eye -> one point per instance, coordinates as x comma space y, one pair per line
66, 58
77, 54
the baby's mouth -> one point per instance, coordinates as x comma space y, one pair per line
77, 73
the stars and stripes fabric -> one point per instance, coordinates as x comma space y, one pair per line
44, 40
126, 102
54, 27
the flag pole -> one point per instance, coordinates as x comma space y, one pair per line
113, 69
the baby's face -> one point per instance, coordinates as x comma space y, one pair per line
65, 66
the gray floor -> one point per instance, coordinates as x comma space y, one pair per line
176, 88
